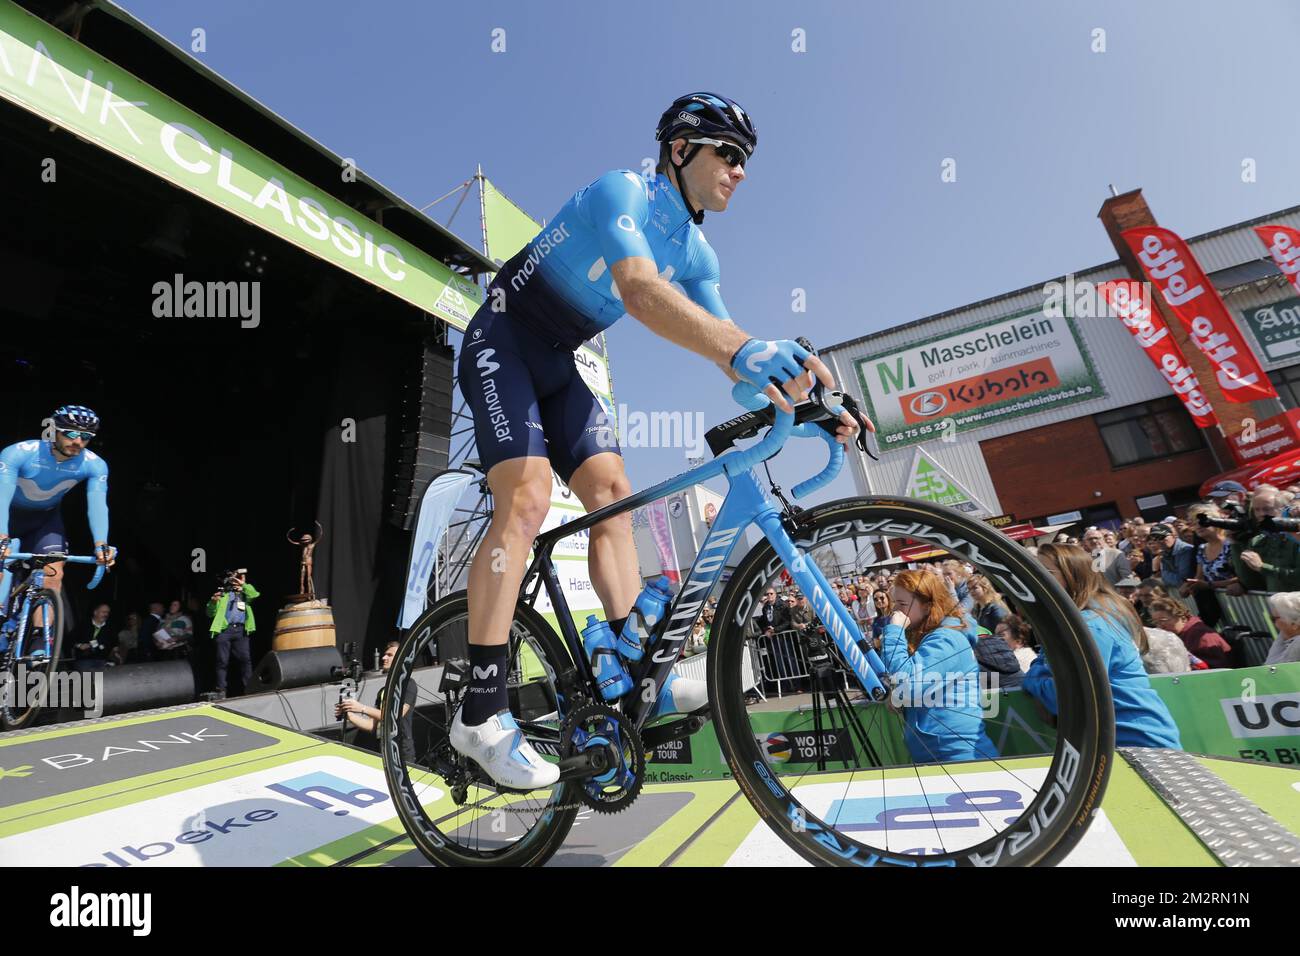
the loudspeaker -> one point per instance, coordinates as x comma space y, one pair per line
280, 670
145, 686
423, 443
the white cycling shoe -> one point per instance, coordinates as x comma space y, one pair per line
499, 747
680, 695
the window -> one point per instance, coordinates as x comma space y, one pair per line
1148, 430
1287, 383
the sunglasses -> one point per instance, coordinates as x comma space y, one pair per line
730, 154
74, 435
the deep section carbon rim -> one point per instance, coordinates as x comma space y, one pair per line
834, 775
453, 812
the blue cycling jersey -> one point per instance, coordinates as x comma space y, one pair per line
33, 480
517, 368
618, 216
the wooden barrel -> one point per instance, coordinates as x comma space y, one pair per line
303, 625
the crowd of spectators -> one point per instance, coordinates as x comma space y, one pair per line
157, 633
1167, 572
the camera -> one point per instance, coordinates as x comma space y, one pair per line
1235, 518
1284, 523
350, 671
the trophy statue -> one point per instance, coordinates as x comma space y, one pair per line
306, 587
305, 621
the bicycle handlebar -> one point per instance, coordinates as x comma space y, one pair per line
749, 396
70, 558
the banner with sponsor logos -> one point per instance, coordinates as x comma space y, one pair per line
1245, 714
1283, 244
982, 375
1170, 266
48, 73
1130, 301
1276, 327
927, 480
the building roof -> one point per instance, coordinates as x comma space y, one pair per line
116, 35
1224, 279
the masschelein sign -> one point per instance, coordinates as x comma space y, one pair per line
979, 376
48, 73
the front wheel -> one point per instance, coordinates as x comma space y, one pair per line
954, 770
31, 663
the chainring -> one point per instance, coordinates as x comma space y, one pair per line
598, 725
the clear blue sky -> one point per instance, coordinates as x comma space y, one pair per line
844, 197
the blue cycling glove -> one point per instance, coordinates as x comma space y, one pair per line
769, 363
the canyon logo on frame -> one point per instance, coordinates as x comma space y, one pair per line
1283, 244
1131, 302
1169, 264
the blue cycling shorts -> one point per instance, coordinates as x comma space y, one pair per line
528, 397
39, 532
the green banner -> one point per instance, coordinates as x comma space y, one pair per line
982, 375
928, 481
48, 73
1276, 327
1246, 714
507, 228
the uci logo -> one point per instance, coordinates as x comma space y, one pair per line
928, 403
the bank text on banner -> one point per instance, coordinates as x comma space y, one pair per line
1169, 265
1131, 302
980, 376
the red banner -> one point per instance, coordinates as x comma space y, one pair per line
1130, 301
1267, 439
1284, 246
1169, 264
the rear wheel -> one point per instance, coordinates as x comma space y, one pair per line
453, 812
32, 663
842, 779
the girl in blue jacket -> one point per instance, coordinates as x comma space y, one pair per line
928, 645
1141, 717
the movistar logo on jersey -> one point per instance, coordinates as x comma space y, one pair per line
496, 414
541, 247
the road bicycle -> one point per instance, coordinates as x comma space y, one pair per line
29, 653
835, 782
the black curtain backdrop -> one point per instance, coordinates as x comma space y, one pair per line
360, 564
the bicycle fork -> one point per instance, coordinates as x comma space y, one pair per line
843, 630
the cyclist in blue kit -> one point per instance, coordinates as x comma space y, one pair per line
614, 248
34, 477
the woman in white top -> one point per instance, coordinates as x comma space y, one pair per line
1286, 618
1019, 638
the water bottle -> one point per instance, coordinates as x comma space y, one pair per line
601, 647
644, 618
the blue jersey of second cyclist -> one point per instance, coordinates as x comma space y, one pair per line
33, 480
618, 216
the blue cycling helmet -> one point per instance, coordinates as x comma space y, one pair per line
77, 417
710, 115
707, 114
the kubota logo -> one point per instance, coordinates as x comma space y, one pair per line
928, 403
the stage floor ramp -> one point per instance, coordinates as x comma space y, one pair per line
201, 785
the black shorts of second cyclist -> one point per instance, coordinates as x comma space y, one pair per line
528, 398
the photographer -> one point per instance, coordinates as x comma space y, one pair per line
1269, 552
367, 719
232, 623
